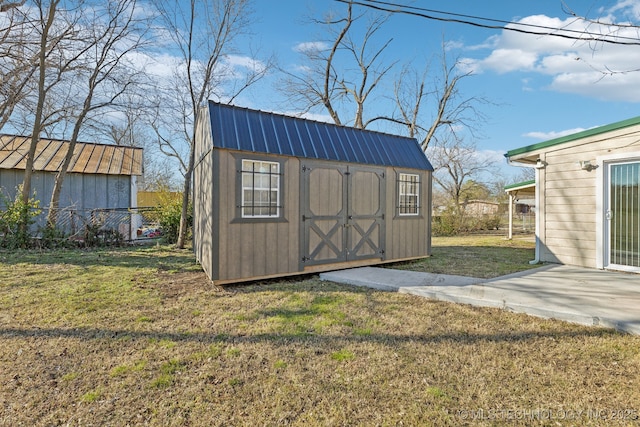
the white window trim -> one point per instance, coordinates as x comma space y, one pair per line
253, 188
417, 193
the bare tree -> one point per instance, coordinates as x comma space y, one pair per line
18, 61
111, 32
423, 103
426, 111
9, 5
370, 73
132, 130
326, 84
525, 174
319, 85
50, 41
455, 164
203, 32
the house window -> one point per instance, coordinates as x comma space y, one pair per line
408, 193
260, 189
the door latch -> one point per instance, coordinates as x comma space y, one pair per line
608, 215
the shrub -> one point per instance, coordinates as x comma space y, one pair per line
16, 219
52, 238
167, 215
448, 223
451, 223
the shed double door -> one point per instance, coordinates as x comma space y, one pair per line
342, 213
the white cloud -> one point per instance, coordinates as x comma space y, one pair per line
245, 62
493, 156
310, 46
629, 8
506, 60
544, 136
451, 45
594, 69
489, 43
162, 66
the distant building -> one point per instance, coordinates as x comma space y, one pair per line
99, 176
480, 207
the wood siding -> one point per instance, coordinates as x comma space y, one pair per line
203, 197
568, 207
408, 236
260, 248
233, 249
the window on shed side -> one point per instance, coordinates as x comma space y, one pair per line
408, 194
260, 189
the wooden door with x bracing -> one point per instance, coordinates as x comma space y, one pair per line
342, 213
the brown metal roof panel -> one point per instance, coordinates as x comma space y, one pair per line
137, 162
15, 152
7, 146
87, 157
116, 162
83, 158
105, 162
45, 151
56, 160
127, 161
94, 161
76, 155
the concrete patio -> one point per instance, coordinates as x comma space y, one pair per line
573, 294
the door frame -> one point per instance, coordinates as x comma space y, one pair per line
603, 241
346, 222
358, 237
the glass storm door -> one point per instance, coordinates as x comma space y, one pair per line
623, 216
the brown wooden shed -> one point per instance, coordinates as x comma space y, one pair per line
276, 195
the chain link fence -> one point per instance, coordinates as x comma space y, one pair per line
94, 226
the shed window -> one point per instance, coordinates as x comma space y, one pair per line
408, 194
260, 189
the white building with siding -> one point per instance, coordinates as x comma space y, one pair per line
588, 196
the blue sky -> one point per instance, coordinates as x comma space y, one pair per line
541, 87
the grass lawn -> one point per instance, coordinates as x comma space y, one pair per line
484, 256
139, 336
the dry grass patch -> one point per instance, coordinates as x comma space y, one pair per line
482, 255
295, 352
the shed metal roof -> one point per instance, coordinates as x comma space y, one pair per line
87, 158
243, 129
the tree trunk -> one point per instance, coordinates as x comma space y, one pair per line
186, 193
37, 122
52, 216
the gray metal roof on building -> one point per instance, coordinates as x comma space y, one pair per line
243, 129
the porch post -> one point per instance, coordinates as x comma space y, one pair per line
510, 216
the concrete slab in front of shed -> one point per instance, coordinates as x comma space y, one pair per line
386, 279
